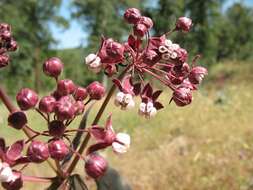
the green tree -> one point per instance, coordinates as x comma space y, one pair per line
30, 21
237, 33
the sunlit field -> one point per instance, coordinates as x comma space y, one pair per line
207, 145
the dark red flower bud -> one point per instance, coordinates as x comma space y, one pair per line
47, 104
184, 24
96, 166
27, 98
5, 35
56, 95
65, 87
58, 149
56, 128
37, 151
96, 90
4, 60
197, 74
15, 184
64, 108
110, 70
150, 57
4, 26
174, 79
132, 15
53, 67
79, 106
182, 96
12, 46
80, 94
146, 21
17, 119
140, 30
181, 70
182, 56
115, 50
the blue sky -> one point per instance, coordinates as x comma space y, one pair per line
74, 36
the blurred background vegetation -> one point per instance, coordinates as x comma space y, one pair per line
207, 145
220, 33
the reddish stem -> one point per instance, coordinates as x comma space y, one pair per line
96, 120
37, 179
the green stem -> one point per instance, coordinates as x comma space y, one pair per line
96, 120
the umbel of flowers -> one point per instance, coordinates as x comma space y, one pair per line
127, 64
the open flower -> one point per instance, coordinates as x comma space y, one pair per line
93, 62
12, 155
107, 137
124, 98
149, 104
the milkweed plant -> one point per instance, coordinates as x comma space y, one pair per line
129, 65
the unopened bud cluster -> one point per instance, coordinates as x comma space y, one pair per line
7, 44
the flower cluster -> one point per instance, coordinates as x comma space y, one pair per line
7, 44
157, 56
141, 56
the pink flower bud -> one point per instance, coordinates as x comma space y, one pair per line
96, 90
5, 35
181, 57
64, 108
140, 30
12, 45
37, 151
4, 60
146, 21
174, 79
65, 87
17, 119
95, 166
47, 104
53, 67
150, 57
182, 96
80, 94
56, 128
181, 70
197, 74
15, 184
4, 26
79, 106
184, 24
58, 149
132, 15
115, 50
27, 98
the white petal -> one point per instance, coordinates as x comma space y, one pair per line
153, 112
90, 58
142, 107
168, 43
128, 98
6, 174
124, 139
166, 56
173, 55
120, 96
175, 46
162, 49
150, 105
131, 104
119, 148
